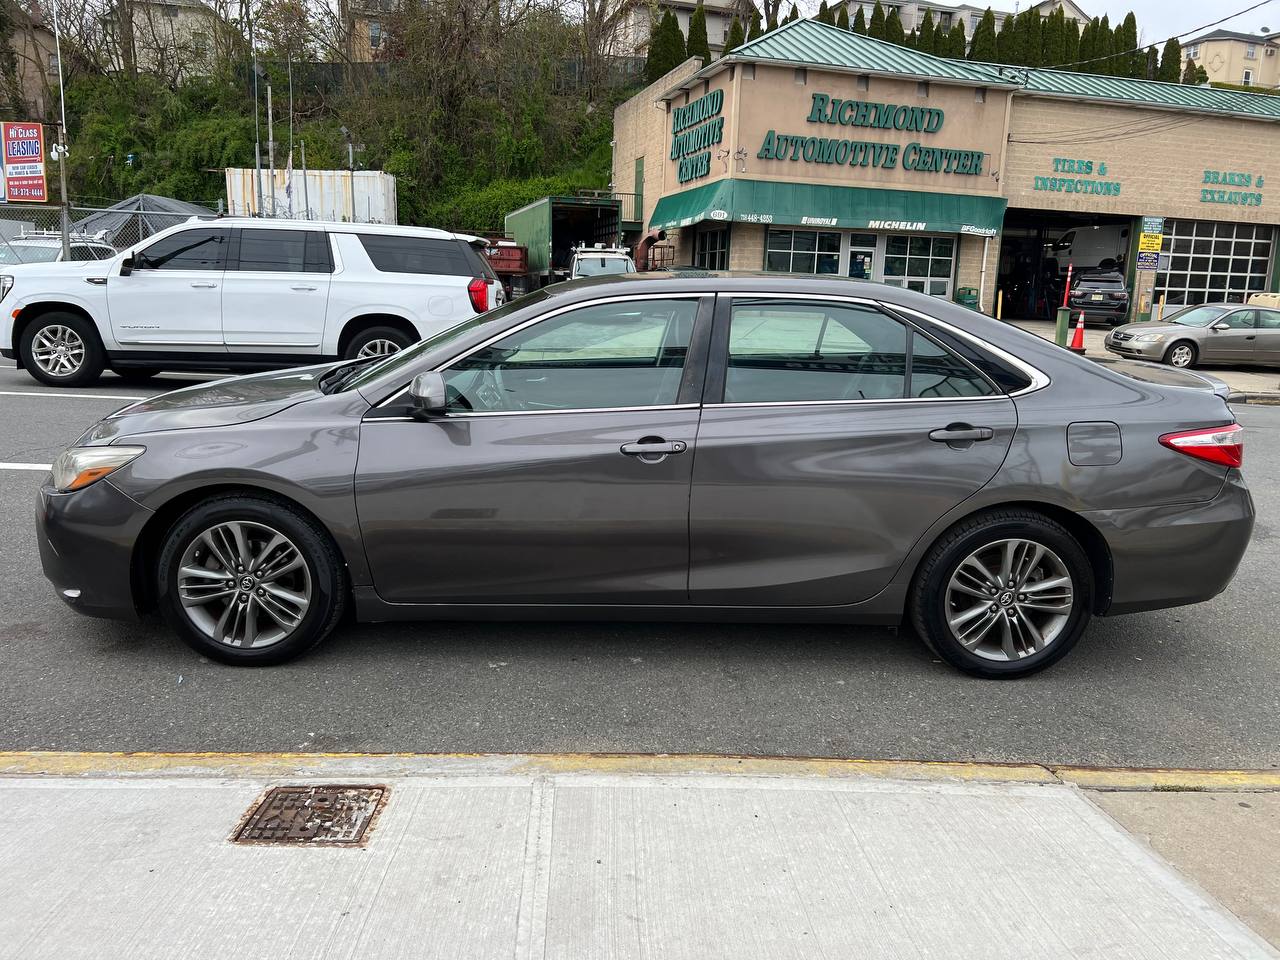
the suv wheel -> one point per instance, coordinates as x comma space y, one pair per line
62, 350
250, 581
1003, 594
376, 342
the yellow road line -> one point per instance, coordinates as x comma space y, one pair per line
277, 765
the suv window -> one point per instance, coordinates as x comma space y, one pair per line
200, 249
628, 354
284, 251
81, 252
452, 258
784, 352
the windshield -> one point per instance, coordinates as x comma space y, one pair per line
407, 356
11, 252
1200, 316
600, 266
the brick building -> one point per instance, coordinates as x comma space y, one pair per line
815, 150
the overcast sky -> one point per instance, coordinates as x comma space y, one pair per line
1158, 19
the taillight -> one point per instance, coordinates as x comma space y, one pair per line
1221, 445
478, 291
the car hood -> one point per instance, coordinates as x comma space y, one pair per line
218, 404
1157, 326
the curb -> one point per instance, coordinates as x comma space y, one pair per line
285, 765
1257, 398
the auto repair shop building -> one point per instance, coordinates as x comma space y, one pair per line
816, 150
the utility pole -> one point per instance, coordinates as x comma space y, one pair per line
62, 141
306, 197
257, 142
351, 169
271, 151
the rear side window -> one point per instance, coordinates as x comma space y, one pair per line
451, 258
80, 252
284, 251
201, 249
809, 351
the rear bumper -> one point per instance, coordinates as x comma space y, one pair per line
1173, 555
86, 544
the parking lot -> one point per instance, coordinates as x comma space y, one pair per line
1196, 687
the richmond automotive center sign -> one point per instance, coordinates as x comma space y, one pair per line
24, 176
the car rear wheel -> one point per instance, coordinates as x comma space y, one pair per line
376, 342
250, 581
1003, 594
62, 350
1181, 354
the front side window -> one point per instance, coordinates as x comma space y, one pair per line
80, 252
200, 249
626, 354
802, 251
1240, 320
794, 352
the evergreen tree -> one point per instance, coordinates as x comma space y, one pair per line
793, 15
859, 23
876, 27
1105, 64
1031, 40
925, 39
1071, 43
1088, 47
957, 46
1051, 31
984, 47
736, 37
697, 44
1005, 40
1130, 61
756, 28
911, 41
666, 48
824, 13
1171, 62
893, 31
842, 18
1151, 64
1194, 75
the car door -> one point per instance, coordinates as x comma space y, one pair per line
561, 472
1267, 345
1234, 344
171, 295
276, 290
833, 436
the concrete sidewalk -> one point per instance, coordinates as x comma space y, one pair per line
583, 857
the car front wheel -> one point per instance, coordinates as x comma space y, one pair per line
250, 581
61, 350
1003, 594
1181, 354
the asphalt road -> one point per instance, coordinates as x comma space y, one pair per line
1197, 686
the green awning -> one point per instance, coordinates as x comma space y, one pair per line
825, 205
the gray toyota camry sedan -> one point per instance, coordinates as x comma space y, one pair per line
663, 446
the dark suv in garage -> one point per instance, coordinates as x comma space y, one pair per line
1101, 294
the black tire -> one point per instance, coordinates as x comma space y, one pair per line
91, 360
328, 583
371, 334
1168, 354
136, 374
929, 605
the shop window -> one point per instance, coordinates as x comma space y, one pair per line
864, 83
980, 95
711, 249
922, 89
1213, 262
923, 264
802, 251
802, 76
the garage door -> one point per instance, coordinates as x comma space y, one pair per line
1214, 262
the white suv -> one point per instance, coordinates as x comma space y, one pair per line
241, 294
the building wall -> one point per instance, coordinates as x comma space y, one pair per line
1158, 160
1225, 61
34, 49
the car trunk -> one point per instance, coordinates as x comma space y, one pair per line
1169, 376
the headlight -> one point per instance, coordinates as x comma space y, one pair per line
77, 467
6, 284
1150, 337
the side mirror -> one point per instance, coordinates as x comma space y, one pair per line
126, 266
1220, 326
427, 393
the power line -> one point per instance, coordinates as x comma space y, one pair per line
1160, 43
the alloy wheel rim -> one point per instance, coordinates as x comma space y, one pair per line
244, 584
1181, 356
1009, 599
378, 348
57, 350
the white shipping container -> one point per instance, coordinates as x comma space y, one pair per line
325, 195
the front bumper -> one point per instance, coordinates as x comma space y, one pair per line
1176, 554
86, 541
1138, 349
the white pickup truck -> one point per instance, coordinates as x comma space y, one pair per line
241, 294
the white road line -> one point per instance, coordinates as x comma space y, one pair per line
25, 466
62, 396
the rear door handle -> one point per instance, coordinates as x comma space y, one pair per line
653, 449
961, 433
206, 284
301, 286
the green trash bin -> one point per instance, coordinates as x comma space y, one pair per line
967, 297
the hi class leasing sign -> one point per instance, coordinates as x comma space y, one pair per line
24, 175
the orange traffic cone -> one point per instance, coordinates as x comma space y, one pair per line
1077, 339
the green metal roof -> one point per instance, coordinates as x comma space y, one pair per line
828, 205
821, 45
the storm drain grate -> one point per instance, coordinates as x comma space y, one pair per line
312, 816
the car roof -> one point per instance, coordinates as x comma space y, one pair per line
342, 226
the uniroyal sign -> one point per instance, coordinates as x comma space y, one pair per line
24, 177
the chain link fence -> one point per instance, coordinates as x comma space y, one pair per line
33, 232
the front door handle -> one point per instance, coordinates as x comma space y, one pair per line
960, 434
301, 286
206, 284
653, 449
